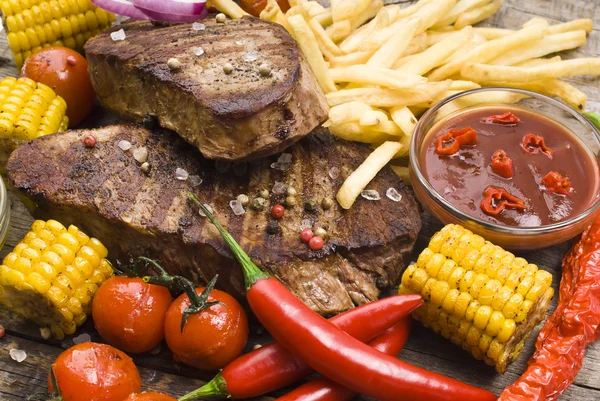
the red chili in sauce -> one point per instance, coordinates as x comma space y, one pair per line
507, 118
496, 200
450, 142
501, 158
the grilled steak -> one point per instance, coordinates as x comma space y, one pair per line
105, 192
233, 116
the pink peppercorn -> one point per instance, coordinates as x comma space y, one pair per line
89, 141
306, 235
2, 331
277, 212
315, 243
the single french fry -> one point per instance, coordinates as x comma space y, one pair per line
402, 172
484, 73
398, 13
329, 49
353, 131
487, 51
478, 14
371, 11
551, 87
404, 119
539, 48
417, 45
309, 46
346, 112
438, 53
381, 97
313, 8
575, 25
346, 9
492, 33
325, 19
270, 10
456, 11
432, 12
230, 8
360, 178
367, 75
534, 62
353, 41
438, 98
460, 85
536, 21
395, 45
339, 30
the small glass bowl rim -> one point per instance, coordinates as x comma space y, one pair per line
503, 229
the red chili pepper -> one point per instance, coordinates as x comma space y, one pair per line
533, 144
332, 352
450, 142
507, 118
390, 342
502, 164
555, 182
271, 367
574, 325
495, 200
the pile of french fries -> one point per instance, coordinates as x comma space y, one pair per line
382, 66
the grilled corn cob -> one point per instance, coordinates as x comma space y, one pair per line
34, 24
478, 295
27, 110
51, 276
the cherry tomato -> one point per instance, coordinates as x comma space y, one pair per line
153, 396
65, 71
254, 7
95, 372
130, 314
210, 339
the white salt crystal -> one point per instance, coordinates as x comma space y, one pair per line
250, 56
285, 158
207, 206
279, 188
124, 145
239, 42
195, 180
18, 355
118, 35
393, 194
334, 173
181, 174
82, 338
197, 26
370, 194
237, 207
140, 154
198, 51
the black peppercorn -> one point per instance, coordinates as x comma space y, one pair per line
272, 228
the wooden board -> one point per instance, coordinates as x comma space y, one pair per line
425, 349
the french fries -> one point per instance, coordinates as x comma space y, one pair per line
381, 67
230, 8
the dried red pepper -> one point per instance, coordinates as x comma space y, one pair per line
533, 144
574, 325
507, 118
502, 164
495, 200
450, 142
555, 182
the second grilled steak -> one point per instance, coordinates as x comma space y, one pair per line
230, 116
104, 191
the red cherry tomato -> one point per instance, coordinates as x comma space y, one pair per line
130, 314
153, 396
95, 372
210, 339
65, 71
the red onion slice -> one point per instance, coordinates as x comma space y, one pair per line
166, 17
173, 7
121, 7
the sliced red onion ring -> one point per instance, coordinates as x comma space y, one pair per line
121, 7
173, 7
166, 17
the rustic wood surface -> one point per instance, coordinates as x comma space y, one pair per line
425, 349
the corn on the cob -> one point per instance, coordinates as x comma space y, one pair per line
34, 24
51, 276
478, 295
27, 110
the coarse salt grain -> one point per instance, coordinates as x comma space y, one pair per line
195, 180
250, 56
181, 174
18, 355
197, 26
283, 162
118, 35
334, 173
207, 206
237, 207
393, 194
239, 42
140, 154
82, 338
198, 51
279, 188
370, 194
124, 145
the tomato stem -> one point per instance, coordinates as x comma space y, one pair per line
252, 273
217, 387
198, 302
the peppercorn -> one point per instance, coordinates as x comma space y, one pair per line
258, 203
264, 193
228, 68
272, 227
321, 232
264, 70
315, 243
310, 205
174, 64
306, 235
290, 201
221, 18
326, 203
277, 211
243, 199
145, 167
2, 331
89, 141
291, 191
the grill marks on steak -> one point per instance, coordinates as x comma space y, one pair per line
104, 191
232, 117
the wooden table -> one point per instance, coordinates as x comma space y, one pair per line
425, 349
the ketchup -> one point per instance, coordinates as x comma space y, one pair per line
523, 156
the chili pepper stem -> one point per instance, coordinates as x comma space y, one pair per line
252, 273
594, 118
217, 387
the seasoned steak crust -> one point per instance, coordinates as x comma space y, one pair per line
236, 116
104, 191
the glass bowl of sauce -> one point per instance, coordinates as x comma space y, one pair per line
517, 167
